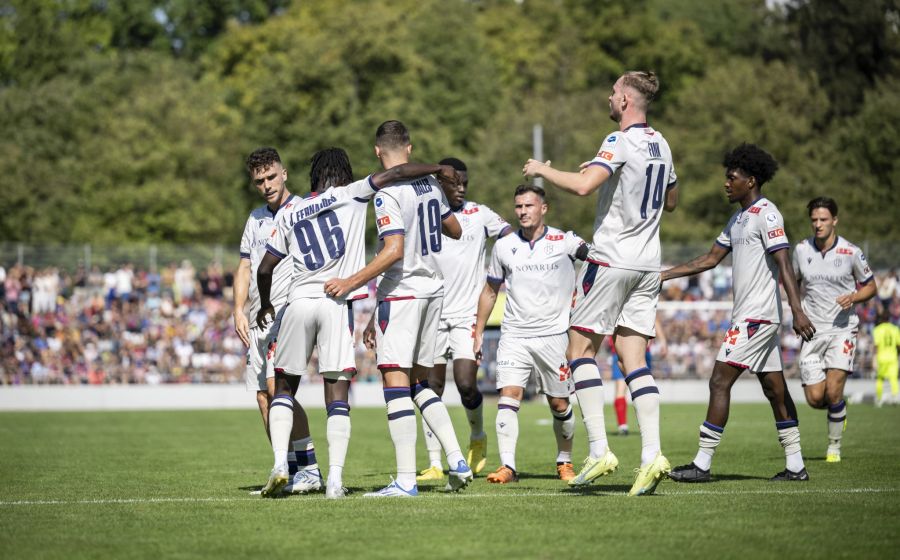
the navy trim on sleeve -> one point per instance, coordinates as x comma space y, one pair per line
867, 280
494, 280
391, 232
608, 168
778, 247
275, 251
447, 215
245, 255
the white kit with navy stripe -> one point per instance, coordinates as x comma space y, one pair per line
415, 210
253, 246
461, 261
324, 233
753, 234
827, 275
540, 280
630, 205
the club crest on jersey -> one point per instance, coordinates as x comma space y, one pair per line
549, 249
838, 263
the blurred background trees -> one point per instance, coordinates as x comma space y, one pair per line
129, 120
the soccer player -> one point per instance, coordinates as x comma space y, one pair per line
269, 177
410, 217
755, 234
461, 263
618, 287
887, 340
829, 268
324, 233
537, 266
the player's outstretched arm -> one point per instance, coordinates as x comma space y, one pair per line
802, 325
241, 290
584, 183
413, 170
485, 305
697, 265
264, 284
389, 254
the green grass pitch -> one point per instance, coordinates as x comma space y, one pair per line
176, 485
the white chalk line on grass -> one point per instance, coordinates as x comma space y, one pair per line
442, 496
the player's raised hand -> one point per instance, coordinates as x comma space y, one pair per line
845, 301
242, 327
803, 326
533, 168
447, 175
263, 317
338, 287
369, 334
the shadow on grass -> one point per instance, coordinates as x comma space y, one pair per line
716, 477
595, 489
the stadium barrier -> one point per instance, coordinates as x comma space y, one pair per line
34, 398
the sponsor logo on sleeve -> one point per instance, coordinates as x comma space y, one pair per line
772, 218
775, 233
383, 221
611, 139
605, 155
378, 202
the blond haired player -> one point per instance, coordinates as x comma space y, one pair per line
618, 287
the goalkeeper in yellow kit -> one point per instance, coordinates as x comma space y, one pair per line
887, 340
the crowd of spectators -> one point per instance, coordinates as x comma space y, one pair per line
128, 325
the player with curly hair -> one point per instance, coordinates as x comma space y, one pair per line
755, 234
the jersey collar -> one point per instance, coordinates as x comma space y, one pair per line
532, 243
636, 125
812, 241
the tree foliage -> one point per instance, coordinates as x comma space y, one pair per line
129, 120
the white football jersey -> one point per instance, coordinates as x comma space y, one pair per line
461, 261
753, 234
630, 204
414, 209
253, 247
826, 276
540, 281
324, 233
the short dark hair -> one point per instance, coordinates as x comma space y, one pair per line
329, 168
753, 161
262, 159
823, 202
454, 163
392, 135
522, 189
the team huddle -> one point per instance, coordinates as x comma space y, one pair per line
303, 265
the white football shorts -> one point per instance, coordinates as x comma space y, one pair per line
545, 356
324, 324
606, 298
455, 339
826, 351
260, 363
752, 345
406, 332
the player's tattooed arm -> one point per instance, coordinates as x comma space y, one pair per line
802, 325
264, 283
696, 265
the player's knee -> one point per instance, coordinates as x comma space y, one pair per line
816, 402
718, 386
